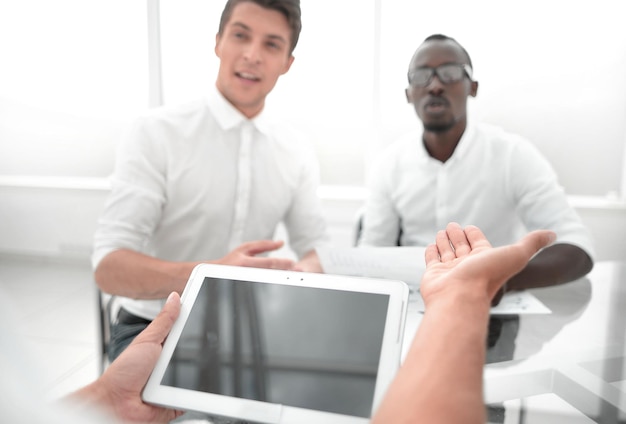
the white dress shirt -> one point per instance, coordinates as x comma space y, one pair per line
495, 180
192, 182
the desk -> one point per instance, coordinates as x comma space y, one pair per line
565, 367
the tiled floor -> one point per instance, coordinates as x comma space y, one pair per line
56, 313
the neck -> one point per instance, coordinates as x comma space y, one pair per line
441, 145
249, 110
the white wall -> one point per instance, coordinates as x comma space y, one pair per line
72, 82
607, 223
552, 71
57, 217
49, 217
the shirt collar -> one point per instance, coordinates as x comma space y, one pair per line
465, 143
228, 117
467, 139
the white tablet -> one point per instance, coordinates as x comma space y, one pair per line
269, 346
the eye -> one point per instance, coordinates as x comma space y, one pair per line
450, 73
273, 45
240, 35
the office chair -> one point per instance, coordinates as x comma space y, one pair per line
358, 230
105, 304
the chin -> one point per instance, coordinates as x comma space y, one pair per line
439, 127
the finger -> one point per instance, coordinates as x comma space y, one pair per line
166, 415
458, 239
431, 254
160, 414
476, 237
270, 263
517, 255
446, 253
262, 246
536, 240
160, 327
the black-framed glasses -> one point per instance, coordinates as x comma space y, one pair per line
447, 74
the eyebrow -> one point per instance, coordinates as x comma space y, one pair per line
441, 64
242, 25
274, 37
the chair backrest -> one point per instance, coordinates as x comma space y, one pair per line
358, 229
105, 305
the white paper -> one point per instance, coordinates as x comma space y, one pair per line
394, 263
407, 264
520, 303
512, 303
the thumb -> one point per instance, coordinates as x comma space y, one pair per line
262, 246
536, 240
160, 327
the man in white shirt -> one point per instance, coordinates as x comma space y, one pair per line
457, 170
209, 181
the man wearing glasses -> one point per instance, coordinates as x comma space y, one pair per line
458, 170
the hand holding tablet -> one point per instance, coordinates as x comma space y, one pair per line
274, 346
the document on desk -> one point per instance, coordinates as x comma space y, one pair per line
512, 303
394, 263
407, 264
519, 303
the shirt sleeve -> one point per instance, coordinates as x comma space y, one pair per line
304, 220
541, 201
381, 221
134, 206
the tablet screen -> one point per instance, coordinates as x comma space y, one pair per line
305, 347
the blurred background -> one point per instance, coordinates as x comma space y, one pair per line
75, 73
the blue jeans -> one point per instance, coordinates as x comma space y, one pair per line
123, 332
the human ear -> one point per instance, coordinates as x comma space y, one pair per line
474, 88
288, 64
217, 44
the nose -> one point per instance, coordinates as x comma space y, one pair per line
435, 86
252, 53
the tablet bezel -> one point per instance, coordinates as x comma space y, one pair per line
265, 412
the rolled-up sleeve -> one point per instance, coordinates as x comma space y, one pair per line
304, 220
542, 202
134, 206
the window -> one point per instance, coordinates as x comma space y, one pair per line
328, 91
551, 71
73, 74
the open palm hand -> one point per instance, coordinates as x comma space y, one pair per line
464, 260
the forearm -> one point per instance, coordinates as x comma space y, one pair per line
89, 400
556, 264
135, 275
441, 378
309, 263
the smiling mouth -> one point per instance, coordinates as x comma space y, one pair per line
248, 76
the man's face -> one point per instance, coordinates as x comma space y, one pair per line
253, 51
440, 106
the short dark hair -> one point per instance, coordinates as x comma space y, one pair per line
289, 8
441, 37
